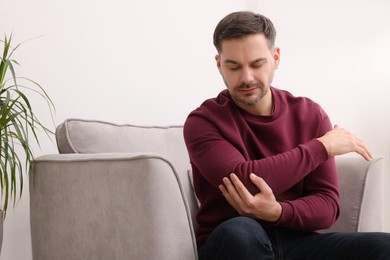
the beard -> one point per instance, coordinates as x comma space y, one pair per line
249, 99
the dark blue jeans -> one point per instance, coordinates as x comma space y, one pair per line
243, 238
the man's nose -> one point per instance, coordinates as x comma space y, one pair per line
247, 76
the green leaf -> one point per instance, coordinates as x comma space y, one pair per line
18, 125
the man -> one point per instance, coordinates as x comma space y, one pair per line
263, 160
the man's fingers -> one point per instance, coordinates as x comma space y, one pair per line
363, 151
240, 188
231, 190
237, 189
260, 183
225, 192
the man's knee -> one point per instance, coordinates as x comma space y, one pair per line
244, 235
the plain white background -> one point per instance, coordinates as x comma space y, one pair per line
152, 62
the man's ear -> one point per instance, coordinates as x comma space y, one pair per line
218, 60
276, 57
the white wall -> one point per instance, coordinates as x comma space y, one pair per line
152, 62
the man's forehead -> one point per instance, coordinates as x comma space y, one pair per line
250, 48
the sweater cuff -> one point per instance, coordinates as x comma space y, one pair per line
287, 214
318, 152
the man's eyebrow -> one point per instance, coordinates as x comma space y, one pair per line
231, 61
259, 60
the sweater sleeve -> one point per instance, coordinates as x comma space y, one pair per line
318, 208
215, 158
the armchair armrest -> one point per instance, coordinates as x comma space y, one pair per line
361, 194
108, 206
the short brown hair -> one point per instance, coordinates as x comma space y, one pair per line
241, 24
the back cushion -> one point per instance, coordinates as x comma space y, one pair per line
91, 136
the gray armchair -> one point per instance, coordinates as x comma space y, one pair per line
124, 192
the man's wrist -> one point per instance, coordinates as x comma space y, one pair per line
278, 212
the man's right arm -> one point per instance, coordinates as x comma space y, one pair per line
216, 158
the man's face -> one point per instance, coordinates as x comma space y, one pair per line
247, 67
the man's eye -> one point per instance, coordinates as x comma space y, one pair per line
234, 68
257, 65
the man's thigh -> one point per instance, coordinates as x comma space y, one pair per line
289, 244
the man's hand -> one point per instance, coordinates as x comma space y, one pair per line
262, 205
340, 141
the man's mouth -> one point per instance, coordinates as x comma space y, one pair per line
247, 88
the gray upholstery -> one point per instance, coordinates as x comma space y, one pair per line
361, 194
88, 136
123, 192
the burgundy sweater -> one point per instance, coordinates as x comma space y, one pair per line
282, 148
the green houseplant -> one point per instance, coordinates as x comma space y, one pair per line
19, 125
